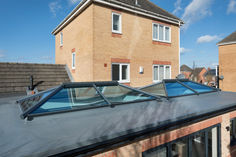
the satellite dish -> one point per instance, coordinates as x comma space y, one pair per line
180, 76
221, 77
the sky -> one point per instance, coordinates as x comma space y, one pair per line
26, 26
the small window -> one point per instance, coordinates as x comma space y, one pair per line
73, 60
161, 72
233, 131
116, 23
61, 39
120, 72
161, 33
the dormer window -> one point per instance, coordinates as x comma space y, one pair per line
116, 23
161, 33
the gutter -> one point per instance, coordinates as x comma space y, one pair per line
226, 43
119, 5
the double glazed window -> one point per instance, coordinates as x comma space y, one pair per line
161, 33
233, 131
204, 143
161, 72
120, 72
116, 23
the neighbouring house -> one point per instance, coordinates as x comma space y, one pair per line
134, 42
186, 71
227, 64
210, 77
197, 75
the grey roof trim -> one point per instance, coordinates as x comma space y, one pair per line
226, 43
83, 4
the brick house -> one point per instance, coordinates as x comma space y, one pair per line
186, 71
227, 65
134, 42
198, 75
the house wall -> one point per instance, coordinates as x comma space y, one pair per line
134, 46
227, 67
78, 38
135, 149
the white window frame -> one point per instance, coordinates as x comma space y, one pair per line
158, 65
61, 39
120, 23
120, 72
158, 33
73, 60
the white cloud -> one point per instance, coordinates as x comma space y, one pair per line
74, 1
208, 38
231, 7
177, 6
184, 50
54, 7
196, 10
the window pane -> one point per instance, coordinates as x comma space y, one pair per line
61, 39
118, 94
124, 72
198, 87
116, 22
70, 98
212, 142
176, 89
155, 33
161, 74
155, 73
180, 148
161, 34
115, 72
167, 73
167, 33
73, 60
157, 153
198, 145
233, 131
157, 89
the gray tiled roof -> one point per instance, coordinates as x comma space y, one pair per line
229, 39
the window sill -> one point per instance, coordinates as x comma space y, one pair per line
116, 35
156, 42
124, 81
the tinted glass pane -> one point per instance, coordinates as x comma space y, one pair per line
71, 98
176, 89
161, 32
116, 19
167, 33
161, 72
155, 35
118, 94
115, 72
124, 72
198, 87
26, 104
180, 148
212, 142
233, 130
155, 73
157, 89
162, 152
198, 145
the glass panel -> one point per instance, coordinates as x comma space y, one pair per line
157, 89
212, 142
124, 72
161, 72
176, 89
161, 32
162, 152
71, 98
199, 88
167, 73
116, 19
233, 130
167, 33
115, 72
61, 39
180, 148
73, 60
28, 103
198, 145
155, 33
119, 94
155, 73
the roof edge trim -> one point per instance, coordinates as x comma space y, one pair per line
226, 43
123, 6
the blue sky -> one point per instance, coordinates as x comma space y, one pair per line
26, 25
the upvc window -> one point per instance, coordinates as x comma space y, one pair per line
116, 23
161, 72
161, 33
61, 39
73, 60
120, 72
